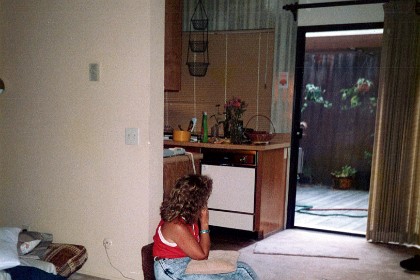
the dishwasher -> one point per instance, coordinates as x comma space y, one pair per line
232, 201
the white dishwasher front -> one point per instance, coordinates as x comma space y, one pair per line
232, 200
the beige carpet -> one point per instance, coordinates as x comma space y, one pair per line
78, 276
375, 261
315, 244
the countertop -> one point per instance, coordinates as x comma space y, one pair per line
281, 140
179, 158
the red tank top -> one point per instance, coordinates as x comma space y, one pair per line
167, 250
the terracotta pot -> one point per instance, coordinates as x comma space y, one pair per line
343, 183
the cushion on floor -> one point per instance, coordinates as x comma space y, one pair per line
67, 258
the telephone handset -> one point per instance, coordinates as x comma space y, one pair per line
178, 151
173, 152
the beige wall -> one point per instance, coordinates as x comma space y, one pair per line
64, 165
228, 75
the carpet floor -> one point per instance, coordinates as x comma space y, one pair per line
79, 276
348, 257
365, 260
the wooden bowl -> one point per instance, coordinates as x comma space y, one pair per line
181, 136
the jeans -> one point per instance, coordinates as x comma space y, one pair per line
173, 269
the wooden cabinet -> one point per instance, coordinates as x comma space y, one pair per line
270, 188
178, 166
266, 185
173, 44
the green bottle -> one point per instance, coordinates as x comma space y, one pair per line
204, 128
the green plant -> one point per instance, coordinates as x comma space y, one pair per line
314, 94
357, 95
368, 156
217, 115
345, 171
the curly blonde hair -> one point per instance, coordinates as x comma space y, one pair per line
187, 198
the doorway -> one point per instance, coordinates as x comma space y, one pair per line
337, 70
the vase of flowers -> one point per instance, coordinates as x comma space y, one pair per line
233, 125
236, 131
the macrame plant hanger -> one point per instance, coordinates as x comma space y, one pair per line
198, 43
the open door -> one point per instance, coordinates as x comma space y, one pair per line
333, 124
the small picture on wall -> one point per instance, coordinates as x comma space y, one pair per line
283, 80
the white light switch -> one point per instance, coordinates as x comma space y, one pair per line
131, 136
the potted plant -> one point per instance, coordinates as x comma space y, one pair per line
344, 177
358, 94
314, 94
215, 127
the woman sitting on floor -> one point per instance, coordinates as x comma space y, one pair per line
183, 233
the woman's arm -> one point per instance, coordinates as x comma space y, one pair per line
179, 233
204, 227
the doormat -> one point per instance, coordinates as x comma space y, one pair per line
344, 212
293, 242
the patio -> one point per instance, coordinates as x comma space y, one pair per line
325, 208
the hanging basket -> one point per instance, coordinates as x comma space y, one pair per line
200, 24
260, 137
199, 19
198, 69
198, 46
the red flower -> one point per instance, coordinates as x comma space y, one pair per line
235, 107
363, 85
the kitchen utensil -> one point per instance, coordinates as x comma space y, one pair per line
194, 120
190, 126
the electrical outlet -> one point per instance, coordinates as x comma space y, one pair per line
107, 243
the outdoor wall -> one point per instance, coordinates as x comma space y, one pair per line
64, 164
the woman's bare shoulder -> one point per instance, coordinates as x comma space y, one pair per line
172, 229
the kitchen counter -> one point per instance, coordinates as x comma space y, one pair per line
181, 158
266, 190
281, 140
